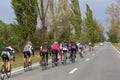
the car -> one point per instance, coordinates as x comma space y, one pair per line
101, 44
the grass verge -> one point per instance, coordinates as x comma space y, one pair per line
20, 59
116, 45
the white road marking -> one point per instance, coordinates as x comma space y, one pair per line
87, 59
71, 72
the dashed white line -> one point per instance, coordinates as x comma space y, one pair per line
71, 72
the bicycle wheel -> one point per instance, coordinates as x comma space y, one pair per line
2, 72
53, 61
81, 54
73, 57
30, 66
25, 66
43, 63
8, 73
65, 58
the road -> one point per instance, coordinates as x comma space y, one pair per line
101, 64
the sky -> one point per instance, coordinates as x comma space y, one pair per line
98, 8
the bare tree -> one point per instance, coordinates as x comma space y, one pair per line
42, 6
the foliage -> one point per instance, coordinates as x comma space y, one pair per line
76, 19
114, 18
26, 17
94, 31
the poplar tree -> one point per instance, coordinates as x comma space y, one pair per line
89, 22
76, 19
26, 17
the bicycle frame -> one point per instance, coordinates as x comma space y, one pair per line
64, 58
43, 62
73, 56
4, 70
54, 62
27, 65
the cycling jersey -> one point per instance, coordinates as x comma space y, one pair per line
28, 50
55, 46
81, 46
45, 48
73, 45
6, 53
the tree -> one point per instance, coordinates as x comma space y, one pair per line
42, 6
114, 16
89, 23
26, 17
76, 19
59, 19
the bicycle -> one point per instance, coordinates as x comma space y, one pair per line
81, 53
44, 62
73, 55
54, 60
27, 65
65, 57
4, 69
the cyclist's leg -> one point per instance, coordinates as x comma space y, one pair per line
40, 58
56, 55
3, 62
70, 54
3, 59
52, 56
46, 54
74, 53
29, 57
8, 61
63, 55
60, 54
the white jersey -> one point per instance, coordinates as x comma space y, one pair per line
28, 48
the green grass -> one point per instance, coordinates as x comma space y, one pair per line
20, 59
116, 45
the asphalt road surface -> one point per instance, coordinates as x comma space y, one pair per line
101, 64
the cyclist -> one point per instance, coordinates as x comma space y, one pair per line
74, 48
61, 51
55, 49
91, 46
28, 51
69, 48
64, 49
44, 50
7, 51
81, 47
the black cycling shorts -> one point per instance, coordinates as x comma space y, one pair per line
27, 54
54, 51
5, 57
64, 51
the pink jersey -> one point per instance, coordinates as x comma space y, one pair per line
55, 46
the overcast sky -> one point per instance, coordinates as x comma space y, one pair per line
97, 6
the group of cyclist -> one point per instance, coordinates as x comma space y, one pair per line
45, 49
61, 49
